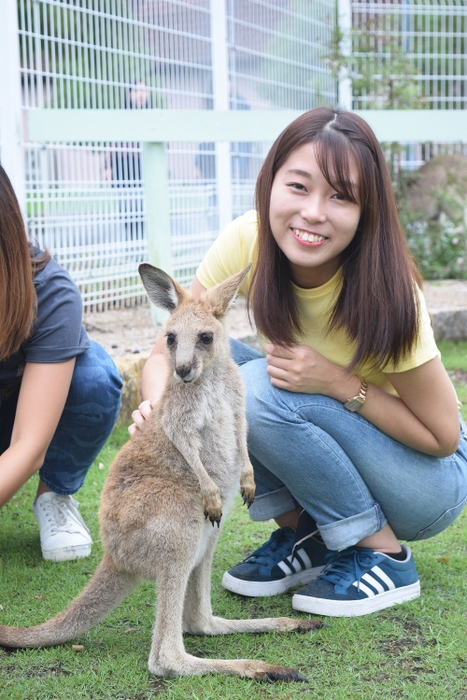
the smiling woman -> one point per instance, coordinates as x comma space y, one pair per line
353, 424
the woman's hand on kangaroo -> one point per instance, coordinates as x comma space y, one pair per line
299, 368
140, 415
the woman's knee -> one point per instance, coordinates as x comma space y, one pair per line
95, 382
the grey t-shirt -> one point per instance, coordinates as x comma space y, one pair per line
58, 333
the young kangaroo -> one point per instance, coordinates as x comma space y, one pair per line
167, 489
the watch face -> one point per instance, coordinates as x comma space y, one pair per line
354, 404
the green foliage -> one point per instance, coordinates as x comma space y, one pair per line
383, 76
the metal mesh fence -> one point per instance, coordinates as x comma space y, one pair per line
414, 54
85, 200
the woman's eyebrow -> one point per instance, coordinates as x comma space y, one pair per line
296, 171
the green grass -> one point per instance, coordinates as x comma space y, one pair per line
415, 651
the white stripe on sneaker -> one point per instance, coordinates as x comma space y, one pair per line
364, 589
298, 562
384, 577
305, 558
374, 583
285, 567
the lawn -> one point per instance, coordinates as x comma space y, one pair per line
415, 651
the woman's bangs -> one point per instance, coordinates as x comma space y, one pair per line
333, 155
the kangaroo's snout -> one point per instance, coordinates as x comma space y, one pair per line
185, 373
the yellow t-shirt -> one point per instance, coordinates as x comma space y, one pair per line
236, 247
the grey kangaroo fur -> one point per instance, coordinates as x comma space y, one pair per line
167, 489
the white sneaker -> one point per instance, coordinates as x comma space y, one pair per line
63, 532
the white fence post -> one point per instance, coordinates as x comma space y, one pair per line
220, 78
11, 131
344, 22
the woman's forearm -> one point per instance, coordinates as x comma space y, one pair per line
17, 464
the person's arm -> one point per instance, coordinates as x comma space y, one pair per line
43, 392
424, 416
155, 373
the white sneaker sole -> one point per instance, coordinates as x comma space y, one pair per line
67, 553
355, 608
258, 589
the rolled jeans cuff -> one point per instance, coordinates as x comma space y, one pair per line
272, 504
345, 533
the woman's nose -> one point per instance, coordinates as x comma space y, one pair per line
314, 209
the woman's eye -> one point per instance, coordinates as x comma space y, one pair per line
297, 186
206, 338
170, 339
339, 196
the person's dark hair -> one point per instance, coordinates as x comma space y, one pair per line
378, 305
19, 263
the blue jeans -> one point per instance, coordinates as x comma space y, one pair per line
90, 412
308, 450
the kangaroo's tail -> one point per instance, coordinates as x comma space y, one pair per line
107, 588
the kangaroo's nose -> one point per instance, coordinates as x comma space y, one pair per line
183, 371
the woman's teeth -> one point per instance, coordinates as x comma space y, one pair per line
308, 237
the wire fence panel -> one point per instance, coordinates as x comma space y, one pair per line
424, 44
85, 201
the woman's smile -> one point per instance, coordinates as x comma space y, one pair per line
308, 238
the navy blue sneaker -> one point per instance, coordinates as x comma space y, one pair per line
359, 581
287, 559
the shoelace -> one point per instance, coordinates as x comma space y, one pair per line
349, 565
58, 513
279, 543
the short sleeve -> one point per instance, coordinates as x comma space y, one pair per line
230, 253
58, 334
425, 347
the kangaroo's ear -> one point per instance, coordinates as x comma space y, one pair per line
220, 298
162, 290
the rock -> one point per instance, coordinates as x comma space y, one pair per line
449, 324
130, 371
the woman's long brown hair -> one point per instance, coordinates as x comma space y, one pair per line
17, 269
377, 306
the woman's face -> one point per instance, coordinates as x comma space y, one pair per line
311, 222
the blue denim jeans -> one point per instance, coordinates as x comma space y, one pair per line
90, 412
308, 450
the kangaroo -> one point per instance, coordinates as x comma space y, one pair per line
166, 491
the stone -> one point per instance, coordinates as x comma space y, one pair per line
130, 371
449, 324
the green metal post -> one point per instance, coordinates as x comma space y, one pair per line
156, 194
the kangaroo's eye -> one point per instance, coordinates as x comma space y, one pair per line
170, 339
206, 338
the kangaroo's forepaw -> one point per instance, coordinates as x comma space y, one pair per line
247, 499
213, 509
247, 490
213, 519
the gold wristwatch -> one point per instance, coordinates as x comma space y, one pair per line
357, 402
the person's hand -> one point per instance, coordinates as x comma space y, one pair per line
299, 368
140, 415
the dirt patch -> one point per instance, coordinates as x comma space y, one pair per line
130, 333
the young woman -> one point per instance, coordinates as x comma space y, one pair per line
59, 392
354, 429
